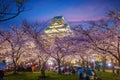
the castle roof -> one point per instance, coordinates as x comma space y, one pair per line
58, 25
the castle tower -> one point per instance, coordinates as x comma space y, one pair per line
58, 26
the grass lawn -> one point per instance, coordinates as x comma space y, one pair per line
54, 76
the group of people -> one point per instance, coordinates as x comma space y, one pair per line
2, 69
87, 74
28, 68
68, 70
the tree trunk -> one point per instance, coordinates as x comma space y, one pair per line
83, 63
118, 70
43, 70
104, 63
87, 64
113, 69
39, 65
15, 67
119, 62
59, 67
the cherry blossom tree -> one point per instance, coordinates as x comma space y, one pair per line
14, 44
59, 49
79, 48
34, 31
104, 35
10, 9
2, 40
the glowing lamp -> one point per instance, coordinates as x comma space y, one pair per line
109, 64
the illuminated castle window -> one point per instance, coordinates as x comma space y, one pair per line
58, 25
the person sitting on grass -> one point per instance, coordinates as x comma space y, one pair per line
73, 70
2, 69
90, 73
96, 77
80, 70
33, 68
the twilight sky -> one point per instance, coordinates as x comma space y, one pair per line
72, 10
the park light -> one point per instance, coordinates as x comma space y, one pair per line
50, 63
93, 60
109, 64
73, 61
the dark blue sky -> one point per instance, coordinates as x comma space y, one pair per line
72, 10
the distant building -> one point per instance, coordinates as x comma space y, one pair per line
58, 26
